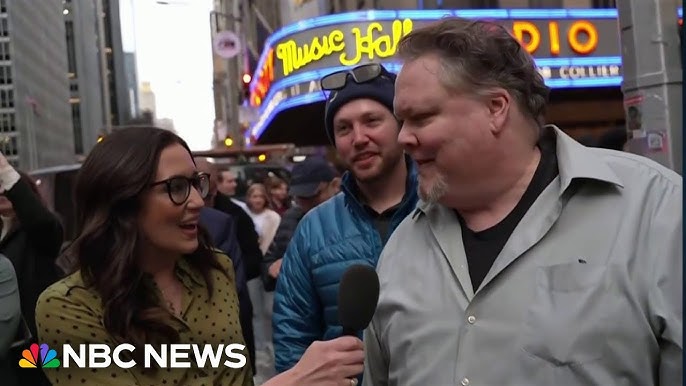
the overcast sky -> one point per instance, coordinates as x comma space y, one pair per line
174, 53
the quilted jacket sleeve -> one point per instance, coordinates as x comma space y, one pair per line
297, 318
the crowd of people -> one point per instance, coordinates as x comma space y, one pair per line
507, 252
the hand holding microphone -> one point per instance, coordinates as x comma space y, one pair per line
339, 361
331, 363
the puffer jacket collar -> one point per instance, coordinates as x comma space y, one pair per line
349, 188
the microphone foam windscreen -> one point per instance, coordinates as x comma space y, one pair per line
358, 295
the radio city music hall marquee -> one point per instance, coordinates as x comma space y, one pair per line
572, 48
353, 43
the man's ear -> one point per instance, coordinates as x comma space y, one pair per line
498, 104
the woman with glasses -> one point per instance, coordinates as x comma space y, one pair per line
145, 272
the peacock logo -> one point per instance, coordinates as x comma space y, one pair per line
31, 359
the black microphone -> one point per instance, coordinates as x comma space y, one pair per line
358, 295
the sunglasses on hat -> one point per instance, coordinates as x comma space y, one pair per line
360, 74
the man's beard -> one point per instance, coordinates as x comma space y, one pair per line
388, 163
436, 190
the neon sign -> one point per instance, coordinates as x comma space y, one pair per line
355, 43
375, 43
582, 36
571, 47
263, 80
580, 72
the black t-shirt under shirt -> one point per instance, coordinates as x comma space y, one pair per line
482, 248
381, 221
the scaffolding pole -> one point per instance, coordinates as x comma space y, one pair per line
652, 85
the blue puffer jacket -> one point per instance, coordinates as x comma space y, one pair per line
329, 239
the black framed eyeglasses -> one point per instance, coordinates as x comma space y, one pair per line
179, 187
360, 74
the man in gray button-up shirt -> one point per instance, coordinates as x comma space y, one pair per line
531, 260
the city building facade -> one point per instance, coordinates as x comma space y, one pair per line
121, 68
85, 76
35, 114
102, 74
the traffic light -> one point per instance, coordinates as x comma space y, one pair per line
228, 141
245, 82
262, 157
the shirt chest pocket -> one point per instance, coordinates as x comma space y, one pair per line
575, 311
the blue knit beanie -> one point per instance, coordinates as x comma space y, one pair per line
380, 89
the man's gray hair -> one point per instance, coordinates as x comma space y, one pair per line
477, 56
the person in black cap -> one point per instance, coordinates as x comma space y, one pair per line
378, 191
312, 182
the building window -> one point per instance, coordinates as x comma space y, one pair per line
6, 99
71, 51
5, 75
78, 132
4, 51
3, 6
4, 29
7, 124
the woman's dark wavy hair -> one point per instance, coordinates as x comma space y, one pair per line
107, 195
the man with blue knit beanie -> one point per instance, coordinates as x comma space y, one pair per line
380, 89
378, 191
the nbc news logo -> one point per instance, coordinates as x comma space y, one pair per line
39, 356
166, 356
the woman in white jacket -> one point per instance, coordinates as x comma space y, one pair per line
266, 220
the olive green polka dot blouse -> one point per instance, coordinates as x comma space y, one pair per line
70, 313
